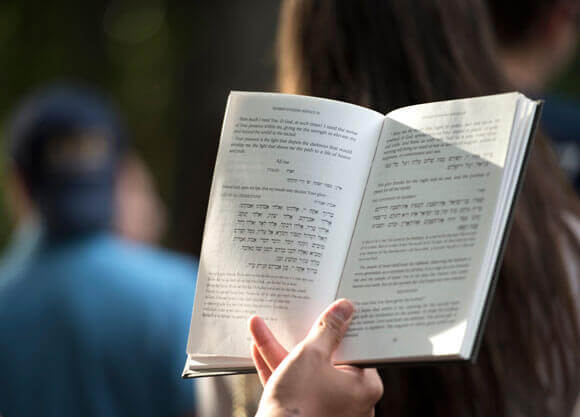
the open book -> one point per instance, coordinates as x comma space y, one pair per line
405, 214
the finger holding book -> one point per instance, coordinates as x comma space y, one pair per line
305, 381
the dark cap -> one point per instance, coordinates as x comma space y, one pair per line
66, 144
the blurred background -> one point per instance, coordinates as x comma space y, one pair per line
169, 66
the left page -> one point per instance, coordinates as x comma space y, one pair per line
287, 186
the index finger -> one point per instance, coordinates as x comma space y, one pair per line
271, 350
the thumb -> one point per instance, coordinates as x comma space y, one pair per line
328, 331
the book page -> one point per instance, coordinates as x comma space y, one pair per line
522, 133
424, 225
288, 182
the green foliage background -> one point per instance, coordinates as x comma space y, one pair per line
147, 54
123, 49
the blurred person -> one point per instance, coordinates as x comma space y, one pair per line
386, 54
140, 214
90, 325
537, 40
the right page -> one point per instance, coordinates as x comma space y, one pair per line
424, 229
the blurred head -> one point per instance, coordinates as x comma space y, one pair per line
386, 54
140, 213
539, 35
65, 147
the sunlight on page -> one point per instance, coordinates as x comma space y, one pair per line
416, 257
477, 137
449, 341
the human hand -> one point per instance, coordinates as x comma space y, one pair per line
305, 382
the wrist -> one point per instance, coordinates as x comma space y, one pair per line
275, 410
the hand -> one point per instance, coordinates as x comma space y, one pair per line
305, 382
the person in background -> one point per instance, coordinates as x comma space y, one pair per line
537, 39
140, 215
386, 54
90, 324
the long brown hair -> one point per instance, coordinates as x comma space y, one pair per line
390, 53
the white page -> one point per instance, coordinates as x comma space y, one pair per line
516, 156
424, 225
287, 186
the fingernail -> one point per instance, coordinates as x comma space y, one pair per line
343, 310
